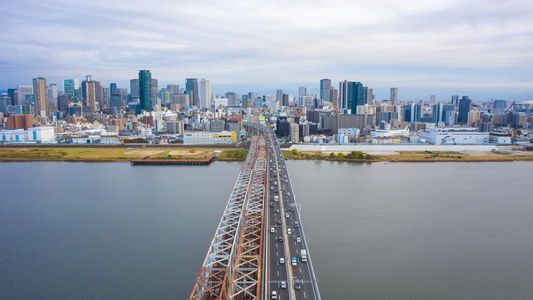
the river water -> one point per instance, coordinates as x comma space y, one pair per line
375, 231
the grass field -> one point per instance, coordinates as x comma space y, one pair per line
107, 154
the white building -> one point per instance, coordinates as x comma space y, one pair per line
43, 134
453, 136
379, 133
208, 138
112, 139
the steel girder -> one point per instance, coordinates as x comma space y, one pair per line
247, 268
215, 274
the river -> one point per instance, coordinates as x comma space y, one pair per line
375, 231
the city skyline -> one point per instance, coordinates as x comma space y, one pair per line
443, 48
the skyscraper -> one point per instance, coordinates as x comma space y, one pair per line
204, 91
24, 92
70, 86
455, 100
52, 92
465, 105
279, 96
351, 95
14, 95
134, 88
40, 96
88, 87
145, 89
394, 96
325, 89
191, 86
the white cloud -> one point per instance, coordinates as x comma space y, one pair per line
270, 41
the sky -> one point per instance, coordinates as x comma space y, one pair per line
480, 48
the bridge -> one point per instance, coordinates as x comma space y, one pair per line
259, 250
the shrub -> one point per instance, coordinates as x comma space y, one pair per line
340, 155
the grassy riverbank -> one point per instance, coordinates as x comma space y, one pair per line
412, 156
113, 154
239, 154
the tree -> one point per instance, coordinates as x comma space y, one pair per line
340, 155
295, 151
518, 132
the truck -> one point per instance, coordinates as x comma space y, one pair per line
304, 255
294, 260
276, 198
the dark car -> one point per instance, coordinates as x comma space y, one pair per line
297, 284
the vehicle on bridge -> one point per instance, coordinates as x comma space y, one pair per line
294, 261
304, 255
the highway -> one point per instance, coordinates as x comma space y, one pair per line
282, 215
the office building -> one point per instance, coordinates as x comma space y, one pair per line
204, 93
465, 105
70, 86
455, 100
40, 96
62, 102
325, 88
294, 133
25, 92
191, 88
88, 87
145, 90
14, 96
351, 95
52, 92
394, 96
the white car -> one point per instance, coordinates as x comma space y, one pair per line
286, 215
282, 260
289, 231
298, 240
283, 284
272, 230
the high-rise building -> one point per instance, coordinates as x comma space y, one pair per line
24, 91
394, 96
155, 91
134, 88
145, 90
40, 96
455, 100
191, 87
302, 91
334, 97
204, 93
70, 86
52, 92
279, 96
99, 95
14, 95
113, 89
107, 97
351, 95
233, 98
285, 100
465, 104
174, 88
325, 89
88, 87
432, 99
62, 102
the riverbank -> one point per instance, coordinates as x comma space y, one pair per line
239, 154
115, 154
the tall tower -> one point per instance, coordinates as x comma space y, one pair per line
279, 96
325, 88
70, 86
394, 96
40, 96
351, 95
88, 87
145, 89
191, 86
204, 91
465, 105
134, 89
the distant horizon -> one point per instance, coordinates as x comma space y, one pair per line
483, 49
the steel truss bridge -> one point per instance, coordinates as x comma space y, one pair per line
239, 263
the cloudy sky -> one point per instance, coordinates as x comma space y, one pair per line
481, 48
